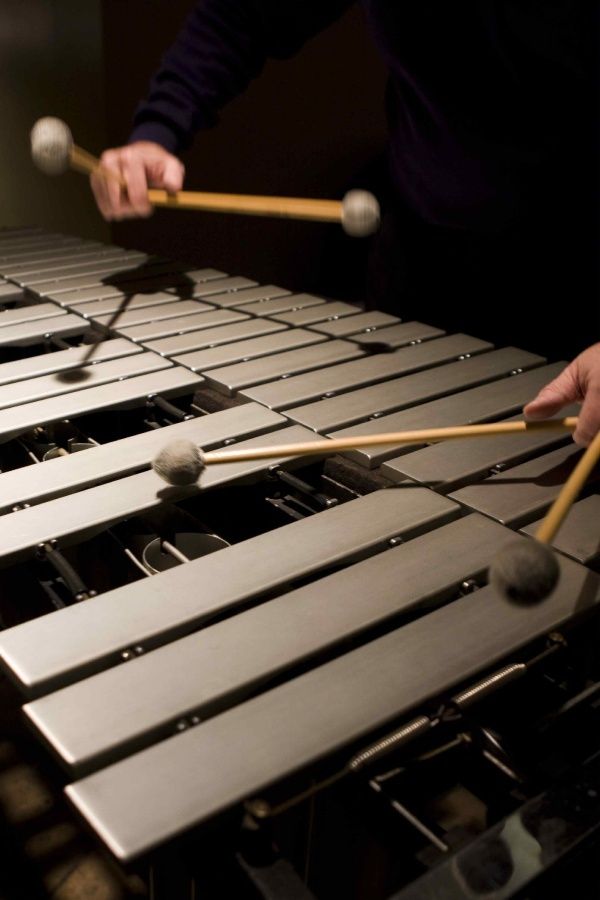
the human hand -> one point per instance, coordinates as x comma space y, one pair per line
140, 165
578, 383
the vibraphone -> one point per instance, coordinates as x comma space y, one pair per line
341, 648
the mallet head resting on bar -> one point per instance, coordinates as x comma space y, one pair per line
179, 463
525, 572
51, 144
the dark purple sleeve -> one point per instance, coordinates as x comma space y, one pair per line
223, 45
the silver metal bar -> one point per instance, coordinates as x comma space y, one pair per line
80, 470
205, 274
157, 313
303, 316
393, 336
452, 464
363, 322
19, 230
19, 259
133, 705
107, 264
223, 286
268, 307
59, 648
96, 292
63, 360
70, 518
181, 324
27, 333
28, 313
10, 293
95, 308
410, 390
496, 400
214, 337
242, 351
520, 494
261, 741
132, 391
51, 261
346, 377
230, 379
102, 292
45, 386
249, 295
578, 536
49, 242
148, 272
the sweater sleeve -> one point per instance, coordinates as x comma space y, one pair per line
221, 47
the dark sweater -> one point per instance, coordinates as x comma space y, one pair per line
489, 101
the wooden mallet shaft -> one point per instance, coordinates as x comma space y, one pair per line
244, 204
54, 151
426, 435
569, 493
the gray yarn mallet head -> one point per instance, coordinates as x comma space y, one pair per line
360, 214
180, 463
525, 572
51, 143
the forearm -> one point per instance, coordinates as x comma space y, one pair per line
221, 47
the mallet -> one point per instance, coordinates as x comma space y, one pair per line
54, 152
526, 571
181, 462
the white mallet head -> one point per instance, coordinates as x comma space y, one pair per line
180, 463
525, 572
360, 214
51, 142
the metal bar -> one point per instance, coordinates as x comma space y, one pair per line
26, 333
376, 400
45, 386
248, 295
492, 401
578, 536
152, 330
123, 457
259, 742
348, 377
132, 391
214, 337
158, 313
363, 322
526, 490
230, 379
304, 316
138, 704
49, 652
242, 351
28, 314
269, 307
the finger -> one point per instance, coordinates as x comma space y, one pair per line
563, 390
173, 175
134, 172
98, 185
589, 417
117, 200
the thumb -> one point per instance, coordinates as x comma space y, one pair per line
563, 390
173, 173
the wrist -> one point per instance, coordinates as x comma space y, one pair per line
156, 133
